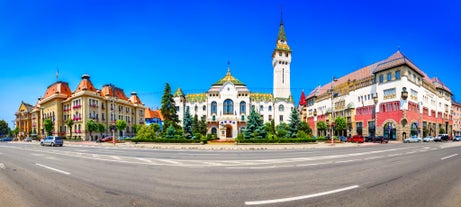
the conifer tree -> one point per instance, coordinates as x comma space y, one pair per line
168, 108
195, 125
294, 123
255, 126
187, 124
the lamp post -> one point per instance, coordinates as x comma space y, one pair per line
315, 120
333, 80
375, 99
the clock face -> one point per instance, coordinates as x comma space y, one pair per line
282, 41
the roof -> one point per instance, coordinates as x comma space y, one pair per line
395, 60
302, 99
229, 78
354, 76
439, 84
198, 97
107, 90
134, 98
178, 93
58, 88
27, 107
85, 84
261, 97
281, 34
150, 114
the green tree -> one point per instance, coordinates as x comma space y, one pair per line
101, 128
255, 126
91, 126
195, 125
441, 130
70, 123
168, 109
137, 127
202, 125
170, 132
187, 124
282, 130
48, 124
305, 128
120, 125
270, 127
341, 124
294, 123
146, 132
321, 126
155, 127
4, 129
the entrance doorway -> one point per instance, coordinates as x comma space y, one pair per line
390, 131
228, 131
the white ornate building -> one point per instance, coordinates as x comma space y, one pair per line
226, 105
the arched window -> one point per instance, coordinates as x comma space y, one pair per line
228, 107
214, 107
204, 107
281, 107
243, 107
270, 108
196, 108
261, 108
214, 130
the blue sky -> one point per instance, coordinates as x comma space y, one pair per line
141, 45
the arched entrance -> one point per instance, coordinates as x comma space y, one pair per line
414, 129
390, 131
228, 131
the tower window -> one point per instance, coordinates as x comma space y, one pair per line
283, 75
214, 107
280, 54
228, 107
286, 54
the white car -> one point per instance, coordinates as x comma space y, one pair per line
413, 138
428, 139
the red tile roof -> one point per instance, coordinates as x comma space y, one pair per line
395, 60
85, 84
302, 100
107, 90
150, 114
134, 98
58, 88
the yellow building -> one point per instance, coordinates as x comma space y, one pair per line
24, 120
86, 103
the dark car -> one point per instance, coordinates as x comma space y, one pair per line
441, 137
369, 138
381, 139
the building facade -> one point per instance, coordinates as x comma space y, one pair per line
153, 117
86, 103
226, 105
392, 98
25, 120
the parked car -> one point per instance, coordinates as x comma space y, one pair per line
358, 139
52, 141
105, 139
381, 139
27, 139
456, 138
412, 139
369, 138
441, 137
428, 139
343, 138
6, 139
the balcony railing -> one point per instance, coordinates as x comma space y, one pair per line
77, 106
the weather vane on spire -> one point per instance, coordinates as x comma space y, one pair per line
57, 73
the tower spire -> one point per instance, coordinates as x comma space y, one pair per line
281, 15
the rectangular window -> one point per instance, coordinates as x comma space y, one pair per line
381, 79
389, 76
390, 93
397, 74
281, 118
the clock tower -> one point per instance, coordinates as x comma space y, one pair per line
281, 60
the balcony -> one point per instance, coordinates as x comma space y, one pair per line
93, 105
76, 106
77, 118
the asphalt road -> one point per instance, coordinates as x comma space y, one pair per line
379, 175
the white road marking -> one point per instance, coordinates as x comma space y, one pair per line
116, 157
444, 158
2, 166
169, 161
313, 164
50, 168
393, 155
372, 158
143, 159
281, 200
346, 161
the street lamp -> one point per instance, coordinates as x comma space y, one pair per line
315, 120
333, 80
375, 100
